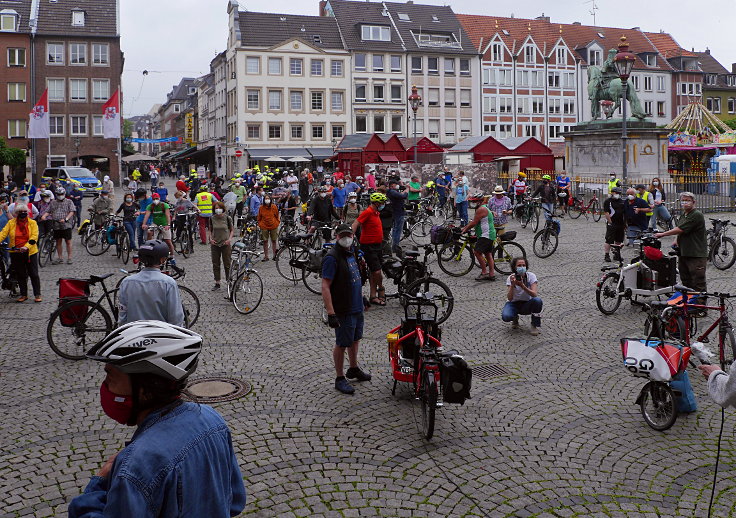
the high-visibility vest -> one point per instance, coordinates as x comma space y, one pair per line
611, 184
645, 197
204, 202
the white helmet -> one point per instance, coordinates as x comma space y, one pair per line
150, 347
352, 195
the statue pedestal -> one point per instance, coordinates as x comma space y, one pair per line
594, 149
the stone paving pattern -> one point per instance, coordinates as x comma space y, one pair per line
558, 436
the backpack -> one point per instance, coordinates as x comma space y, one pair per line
456, 378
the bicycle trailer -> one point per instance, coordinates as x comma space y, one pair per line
70, 290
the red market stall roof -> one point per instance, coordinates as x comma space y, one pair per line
422, 150
356, 150
485, 148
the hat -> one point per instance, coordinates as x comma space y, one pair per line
23, 193
104, 191
640, 186
617, 190
499, 190
343, 229
155, 196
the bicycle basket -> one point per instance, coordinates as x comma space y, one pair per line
456, 378
439, 235
509, 235
69, 290
654, 359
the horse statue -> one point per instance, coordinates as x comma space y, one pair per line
604, 84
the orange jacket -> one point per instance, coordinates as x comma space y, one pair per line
268, 217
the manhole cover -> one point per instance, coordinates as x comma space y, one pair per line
215, 390
486, 372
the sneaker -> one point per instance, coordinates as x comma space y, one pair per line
355, 373
534, 331
216, 287
607, 258
343, 386
68, 261
57, 261
38, 299
515, 323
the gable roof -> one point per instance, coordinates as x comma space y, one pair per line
667, 46
710, 65
351, 15
468, 144
269, 29
354, 141
101, 18
24, 12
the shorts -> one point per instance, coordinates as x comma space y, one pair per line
350, 330
272, 234
615, 234
63, 233
373, 256
162, 234
483, 245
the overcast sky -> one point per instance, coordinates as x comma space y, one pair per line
174, 39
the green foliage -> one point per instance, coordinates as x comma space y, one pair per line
731, 123
11, 156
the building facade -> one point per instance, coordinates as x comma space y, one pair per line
719, 86
171, 115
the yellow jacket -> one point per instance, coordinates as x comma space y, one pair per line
204, 202
9, 231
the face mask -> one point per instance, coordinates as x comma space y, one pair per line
156, 202
267, 201
655, 183
117, 407
23, 199
521, 270
128, 200
322, 194
686, 203
616, 196
60, 196
104, 196
345, 242
613, 176
381, 207
631, 196
22, 215
218, 211
352, 200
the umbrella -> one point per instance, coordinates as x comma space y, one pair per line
139, 158
274, 159
299, 159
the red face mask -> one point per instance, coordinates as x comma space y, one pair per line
117, 407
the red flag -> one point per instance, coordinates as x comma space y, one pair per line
111, 116
39, 123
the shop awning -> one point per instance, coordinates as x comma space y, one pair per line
388, 157
183, 154
202, 152
320, 153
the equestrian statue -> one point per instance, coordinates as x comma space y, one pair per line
605, 84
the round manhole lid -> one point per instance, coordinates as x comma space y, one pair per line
215, 389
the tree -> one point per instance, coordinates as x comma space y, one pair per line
127, 133
11, 156
731, 123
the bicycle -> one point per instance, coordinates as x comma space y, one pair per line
547, 239
185, 233
579, 207
121, 238
292, 256
244, 285
457, 258
96, 242
249, 232
721, 249
46, 249
528, 212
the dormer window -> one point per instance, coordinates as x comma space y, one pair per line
436, 40
404, 17
8, 20
595, 57
78, 18
375, 33
529, 54
650, 60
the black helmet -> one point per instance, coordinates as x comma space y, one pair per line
152, 251
140, 193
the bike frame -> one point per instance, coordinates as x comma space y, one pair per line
623, 287
432, 365
722, 319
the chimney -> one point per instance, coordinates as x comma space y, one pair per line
733, 68
636, 28
543, 18
576, 23
707, 51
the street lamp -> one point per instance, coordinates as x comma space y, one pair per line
414, 101
77, 142
624, 62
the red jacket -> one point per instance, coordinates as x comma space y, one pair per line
181, 186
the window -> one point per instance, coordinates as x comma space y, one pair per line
378, 62
318, 101
505, 131
553, 79
16, 128
530, 56
361, 123
78, 124
55, 53
296, 66
78, 18
555, 131
650, 60
434, 128
416, 65
16, 57
396, 96
360, 94
17, 92
252, 65
274, 131
569, 80
522, 78
296, 101
78, 89
595, 58
466, 127
504, 77
709, 103
489, 129
561, 56
716, 105
464, 67
318, 131
711, 79
177, 108
538, 105
375, 33
317, 67
649, 108
489, 76
731, 80
378, 93
338, 131
395, 63
489, 104
450, 128
337, 101
97, 129
56, 125
497, 52
554, 105
8, 21
274, 66
404, 17
432, 66
253, 99
297, 131
77, 53
100, 89
660, 108
538, 78
635, 82
568, 106
530, 130
336, 67
100, 54
647, 83
449, 97
505, 105
379, 125
274, 99
660, 84
434, 97
449, 66
522, 105
254, 131
396, 124
359, 61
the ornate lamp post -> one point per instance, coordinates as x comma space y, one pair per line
624, 62
414, 101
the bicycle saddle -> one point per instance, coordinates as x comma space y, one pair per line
303, 235
411, 253
94, 279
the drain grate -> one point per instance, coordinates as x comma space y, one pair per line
215, 390
486, 372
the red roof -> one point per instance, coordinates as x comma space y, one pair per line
667, 45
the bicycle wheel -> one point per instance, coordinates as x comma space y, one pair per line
607, 297
290, 260
440, 295
456, 259
664, 224
76, 326
313, 281
504, 252
125, 248
723, 253
429, 403
535, 219
596, 210
190, 305
729, 345
576, 209
47, 251
247, 292
545, 243
526, 215
420, 231
658, 406
97, 243
184, 244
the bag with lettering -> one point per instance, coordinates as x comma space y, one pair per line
653, 358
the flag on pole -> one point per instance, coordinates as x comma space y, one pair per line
111, 116
39, 123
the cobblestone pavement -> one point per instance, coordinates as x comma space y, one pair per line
558, 436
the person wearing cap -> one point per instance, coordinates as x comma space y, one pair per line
44, 226
614, 211
613, 182
636, 219
180, 460
547, 192
181, 184
24, 199
161, 213
22, 233
519, 187
500, 206
343, 300
109, 186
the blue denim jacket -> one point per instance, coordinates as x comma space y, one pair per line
178, 463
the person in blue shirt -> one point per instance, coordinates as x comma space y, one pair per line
143, 203
564, 187
339, 195
29, 188
442, 185
256, 200
180, 460
351, 186
77, 196
461, 200
162, 191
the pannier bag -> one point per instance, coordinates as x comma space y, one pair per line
456, 378
315, 260
69, 290
654, 359
509, 235
439, 235
83, 227
110, 234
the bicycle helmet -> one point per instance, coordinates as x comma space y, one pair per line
140, 193
60, 191
151, 252
546, 177
523, 175
150, 347
203, 188
378, 197
352, 195
322, 189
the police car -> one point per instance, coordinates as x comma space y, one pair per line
81, 177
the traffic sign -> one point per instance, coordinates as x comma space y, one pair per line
238, 153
